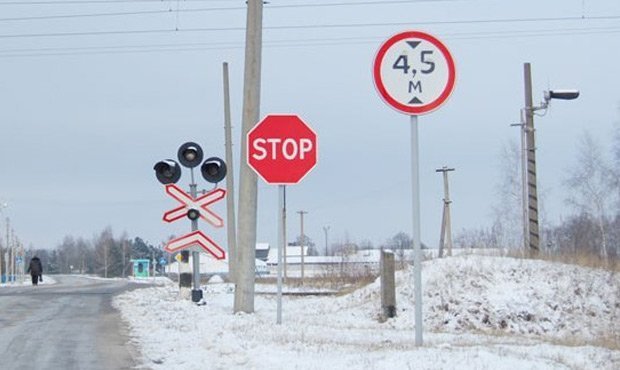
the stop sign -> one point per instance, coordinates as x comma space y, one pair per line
282, 149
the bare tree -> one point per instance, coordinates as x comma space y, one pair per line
399, 243
476, 238
103, 244
67, 255
589, 186
507, 211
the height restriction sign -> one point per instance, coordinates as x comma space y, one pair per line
414, 72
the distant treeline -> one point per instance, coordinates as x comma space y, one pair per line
104, 255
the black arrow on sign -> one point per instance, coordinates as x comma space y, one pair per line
413, 44
415, 100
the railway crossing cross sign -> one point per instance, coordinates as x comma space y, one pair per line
196, 239
199, 204
195, 208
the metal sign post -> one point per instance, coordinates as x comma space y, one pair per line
281, 244
414, 73
417, 248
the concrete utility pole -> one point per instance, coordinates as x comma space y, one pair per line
22, 255
248, 193
326, 231
8, 248
124, 250
302, 242
230, 182
446, 228
532, 192
105, 259
388, 285
13, 250
1, 259
12, 258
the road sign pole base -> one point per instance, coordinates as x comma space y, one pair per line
196, 295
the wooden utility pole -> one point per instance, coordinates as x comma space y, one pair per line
532, 192
302, 239
248, 193
446, 227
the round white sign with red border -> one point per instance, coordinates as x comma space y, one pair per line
414, 72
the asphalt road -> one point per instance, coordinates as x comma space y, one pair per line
68, 325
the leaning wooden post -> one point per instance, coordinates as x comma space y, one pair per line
388, 289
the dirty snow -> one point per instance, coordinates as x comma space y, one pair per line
27, 281
479, 313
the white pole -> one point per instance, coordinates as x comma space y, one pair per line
281, 241
417, 257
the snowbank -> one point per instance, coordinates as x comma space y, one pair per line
479, 312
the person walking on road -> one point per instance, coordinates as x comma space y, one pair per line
36, 270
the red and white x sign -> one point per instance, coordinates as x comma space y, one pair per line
198, 240
201, 203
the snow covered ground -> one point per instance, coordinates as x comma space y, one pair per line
47, 280
479, 313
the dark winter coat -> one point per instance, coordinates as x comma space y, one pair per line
35, 267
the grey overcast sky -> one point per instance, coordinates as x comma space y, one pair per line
89, 102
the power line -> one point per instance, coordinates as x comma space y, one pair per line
315, 5
119, 32
308, 26
197, 10
129, 49
80, 2
117, 14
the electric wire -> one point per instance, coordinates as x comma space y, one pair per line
298, 27
106, 2
288, 43
218, 9
196, 10
266, 3
114, 14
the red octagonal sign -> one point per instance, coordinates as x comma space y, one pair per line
282, 149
